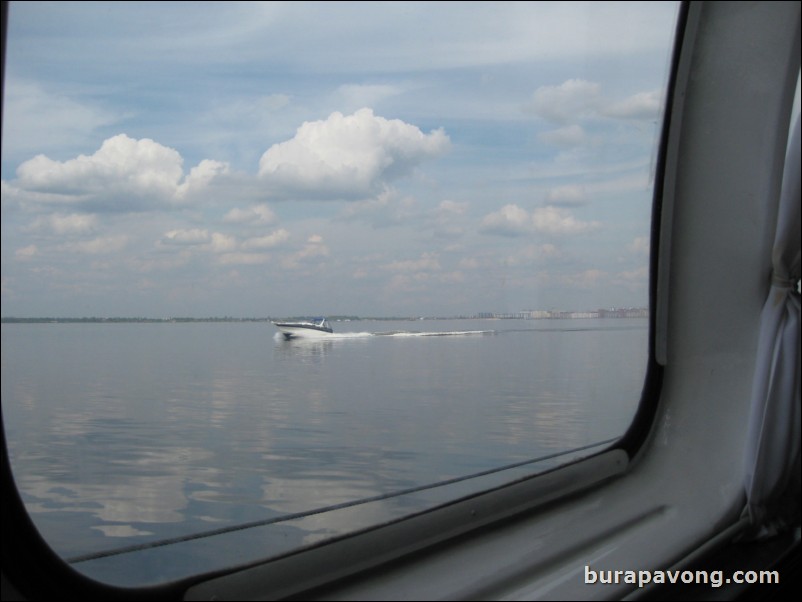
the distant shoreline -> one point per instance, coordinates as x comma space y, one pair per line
612, 313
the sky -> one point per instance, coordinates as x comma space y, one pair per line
274, 159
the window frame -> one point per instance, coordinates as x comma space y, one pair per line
622, 483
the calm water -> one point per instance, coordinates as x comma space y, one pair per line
126, 435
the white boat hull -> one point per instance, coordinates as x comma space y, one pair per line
303, 330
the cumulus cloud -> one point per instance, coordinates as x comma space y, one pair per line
222, 243
189, 237
575, 100
258, 215
267, 242
314, 250
450, 209
349, 156
98, 246
227, 248
315, 247
644, 105
567, 102
512, 220
387, 209
121, 164
200, 176
124, 174
66, 225
552, 220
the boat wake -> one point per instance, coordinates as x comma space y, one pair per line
454, 333
392, 333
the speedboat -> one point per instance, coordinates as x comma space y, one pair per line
315, 328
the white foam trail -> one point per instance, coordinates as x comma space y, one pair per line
454, 333
395, 334
350, 335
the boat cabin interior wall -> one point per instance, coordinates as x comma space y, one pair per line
675, 501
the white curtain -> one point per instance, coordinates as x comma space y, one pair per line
773, 448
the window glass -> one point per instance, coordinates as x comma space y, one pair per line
462, 189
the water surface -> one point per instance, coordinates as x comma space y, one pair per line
122, 436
